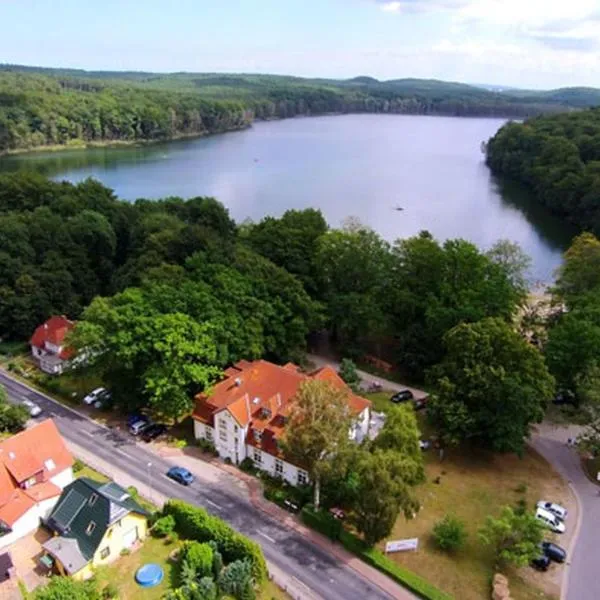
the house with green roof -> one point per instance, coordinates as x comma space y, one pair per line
93, 523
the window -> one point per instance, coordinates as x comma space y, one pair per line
257, 456
209, 433
278, 467
223, 435
104, 552
90, 528
222, 425
236, 428
302, 477
93, 499
257, 435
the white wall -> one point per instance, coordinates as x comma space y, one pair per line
29, 522
63, 479
229, 437
268, 461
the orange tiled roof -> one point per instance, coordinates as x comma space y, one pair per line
18, 504
39, 449
259, 393
54, 331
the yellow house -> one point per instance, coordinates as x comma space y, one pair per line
93, 523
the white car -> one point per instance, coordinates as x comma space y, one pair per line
550, 520
555, 509
94, 395
33, 408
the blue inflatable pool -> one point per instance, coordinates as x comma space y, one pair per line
149, 575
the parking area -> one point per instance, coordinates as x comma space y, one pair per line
25, 554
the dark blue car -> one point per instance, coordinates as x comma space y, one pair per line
180, 475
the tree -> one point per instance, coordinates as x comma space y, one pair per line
236, 580
12, 417
349, 374
65, 588
580, 271
450, 533
198, 557
515, 537
318, 429
492, 385
383, 491
513, 261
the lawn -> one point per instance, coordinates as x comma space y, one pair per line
473, 485
122, 572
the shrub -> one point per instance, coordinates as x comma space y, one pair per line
217, 564
322, 522
206, 589
78, 466
247, 465
206, 446
198, 557
164, 526
450, 533
196, 524
110, 592
173, 537
236, 580
227, 460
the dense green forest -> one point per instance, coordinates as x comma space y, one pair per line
169, 292
44, 107
558, 158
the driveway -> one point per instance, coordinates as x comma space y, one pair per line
581, 580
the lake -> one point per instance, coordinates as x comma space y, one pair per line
365, 166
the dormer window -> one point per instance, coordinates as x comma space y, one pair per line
257, 435
265, 413
90, 528
50, 464
93, 499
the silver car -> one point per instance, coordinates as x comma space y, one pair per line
33, 408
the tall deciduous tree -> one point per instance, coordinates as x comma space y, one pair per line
580, 271
318, 429
492, 386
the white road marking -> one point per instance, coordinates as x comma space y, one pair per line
122, 452
88, 433
268, 537
214, 504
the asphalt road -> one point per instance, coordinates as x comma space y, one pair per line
288, 550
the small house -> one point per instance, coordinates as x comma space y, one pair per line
48, 346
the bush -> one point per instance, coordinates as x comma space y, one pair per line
198, 557
196, 524
206, 446
236, 580
322, 522
206, 589
379, 561
163, 527
78, 466
247, 465
450, 533
110, 592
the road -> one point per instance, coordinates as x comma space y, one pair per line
286, 549
581, 581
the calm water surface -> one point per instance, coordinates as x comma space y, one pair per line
355, 165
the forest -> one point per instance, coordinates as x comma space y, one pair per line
54, 107
174, 290
557, 157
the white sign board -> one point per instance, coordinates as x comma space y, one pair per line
402, 545
598, 476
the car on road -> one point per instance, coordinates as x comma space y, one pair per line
555, 509
541, 563
554, 552
32, 407
180, 475
139, 426
94, 396
153, 431
402, 396
550, 520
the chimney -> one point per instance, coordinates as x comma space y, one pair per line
238, 382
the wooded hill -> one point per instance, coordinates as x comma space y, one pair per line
45, 107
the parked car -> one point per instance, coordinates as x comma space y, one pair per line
291, 505
104, 400
420, 403
564, 397
153, 431
550, 520
131, 419
180, 475
402, 396
139, 426
33, 408
541, 563
337, 513
554, 552
94, 396
424, 444
555, 509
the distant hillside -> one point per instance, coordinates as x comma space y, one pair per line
45, 107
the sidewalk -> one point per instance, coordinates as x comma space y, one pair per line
191, 457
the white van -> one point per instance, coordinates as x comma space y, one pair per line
550, 520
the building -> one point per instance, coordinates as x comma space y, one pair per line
35, 466
48, 345
92, 523
246, 414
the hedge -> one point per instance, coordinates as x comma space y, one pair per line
195, 523
327, 525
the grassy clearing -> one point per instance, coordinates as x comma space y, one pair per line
122, 571
472, 486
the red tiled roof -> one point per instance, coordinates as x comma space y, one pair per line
18, 504
35, 450
53, 331
260, 393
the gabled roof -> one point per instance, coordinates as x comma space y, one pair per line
39, 449
53, 331
260, 394
82, 515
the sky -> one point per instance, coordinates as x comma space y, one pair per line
519, 43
